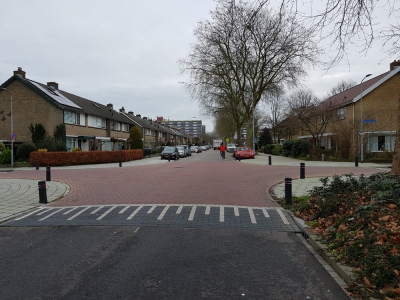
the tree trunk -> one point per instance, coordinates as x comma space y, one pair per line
396, 155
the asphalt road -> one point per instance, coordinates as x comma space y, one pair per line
130, 262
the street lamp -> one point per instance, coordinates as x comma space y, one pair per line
361, 124
12, 130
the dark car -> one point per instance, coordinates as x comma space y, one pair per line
170, 153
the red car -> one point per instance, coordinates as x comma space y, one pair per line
243, 152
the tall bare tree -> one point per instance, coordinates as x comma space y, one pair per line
244, 50
341, 86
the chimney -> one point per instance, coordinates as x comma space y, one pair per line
122, 110
139, 116
144, 118
53, 85
20, 73
109, 105
394, 65
131, 113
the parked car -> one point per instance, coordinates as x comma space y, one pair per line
181, 151
231, 148
243, 152
193, 149
204, 147
170, 153
187, 150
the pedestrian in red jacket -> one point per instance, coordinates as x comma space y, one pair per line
222, 150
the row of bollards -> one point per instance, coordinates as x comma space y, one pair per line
288, 184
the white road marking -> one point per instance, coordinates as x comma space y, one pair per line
252, 217
137, 229
163, 212
106, 213
283, 217
208, 207
135, 212
78, 213
68, 211
264, 210
151, 209
96, 210
221, 214
42, 212
192, 212
179, 210
236, 210
124, 209
34, 212
49, 215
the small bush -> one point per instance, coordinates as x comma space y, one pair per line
277, 150
2, 146
268, 148
76, 149
42, 150
61, 146
24, 151
5, 156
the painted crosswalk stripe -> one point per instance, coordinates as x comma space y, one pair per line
151, 209
192, 212
264, 210
252, 217
236, 211
106, 213
283, 217
78, 213
42, 212
96, 210
68, 211
207, 209
221, 214
163, 212
124, 209
49, 215
135, 212
179, 210
32, 213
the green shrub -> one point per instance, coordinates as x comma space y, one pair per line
287, 147
2, 146
135, 137
5, 156
61, 146
277, 150
268, 148
24, 151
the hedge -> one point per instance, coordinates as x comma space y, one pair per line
83, 157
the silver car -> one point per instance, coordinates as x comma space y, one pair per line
181, 150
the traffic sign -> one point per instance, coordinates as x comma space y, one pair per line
255, 140
13, 135
369, 121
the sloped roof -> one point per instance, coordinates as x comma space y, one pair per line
354, 94
138, 121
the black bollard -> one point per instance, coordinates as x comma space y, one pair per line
288, 191
302, 170
356, 162
48, 175
37, 165
120, 163
269, 160
42, 192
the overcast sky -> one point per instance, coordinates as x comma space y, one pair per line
126, 52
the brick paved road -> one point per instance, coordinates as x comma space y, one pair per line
186, 181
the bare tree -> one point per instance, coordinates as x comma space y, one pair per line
313, 115
244, 50
342, 86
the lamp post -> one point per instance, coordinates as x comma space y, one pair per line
361, 124
12, 129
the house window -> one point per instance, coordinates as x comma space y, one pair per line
97, 122
115, 126
70, 117
125, 127
342, 113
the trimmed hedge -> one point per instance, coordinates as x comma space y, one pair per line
83, 157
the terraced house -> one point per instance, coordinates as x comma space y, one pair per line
375, 101
89, 125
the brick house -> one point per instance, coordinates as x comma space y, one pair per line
378, 98
89, 125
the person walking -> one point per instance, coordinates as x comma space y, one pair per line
222, 150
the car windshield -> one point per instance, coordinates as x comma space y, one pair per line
231, 145
180, 148
169, 149
243, 148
